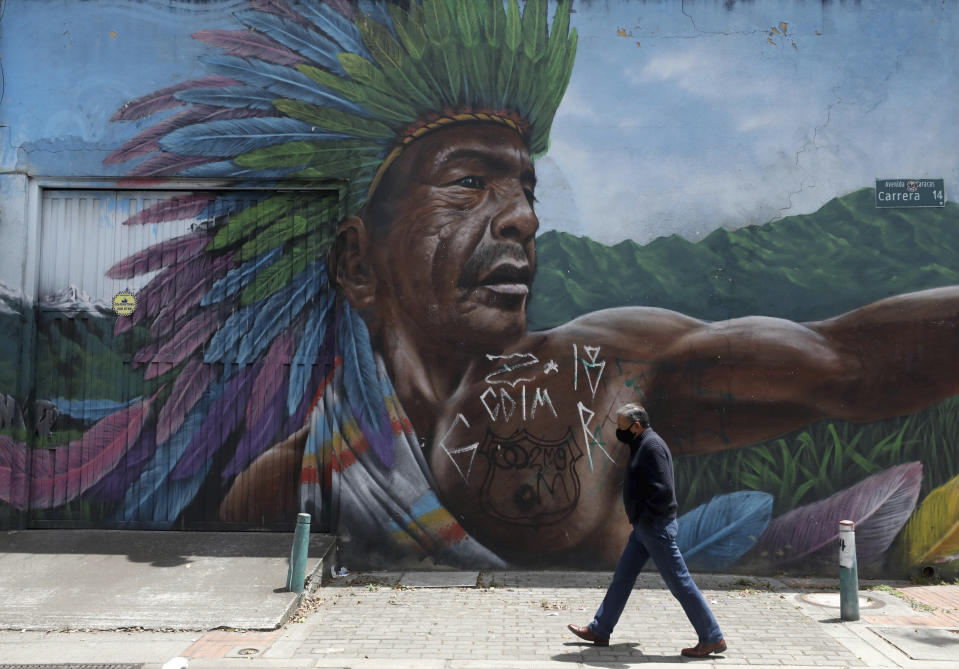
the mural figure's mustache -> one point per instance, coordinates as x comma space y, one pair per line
503, 261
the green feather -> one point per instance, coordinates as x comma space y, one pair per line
380, 41
402, 73
557, 35
468, 31
442, 62
409, 28
437, 21
534, 30
495, 26
249, 220
514, 27
441, 56
540, 140
556, 63
333, 166
277, 275
525, 82
366, 73
289, 228
295, 154
468, 23
334, 120
331, 81
290, 154
386, 107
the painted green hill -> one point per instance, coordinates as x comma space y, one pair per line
844, 255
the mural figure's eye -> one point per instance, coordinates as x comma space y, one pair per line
471, 182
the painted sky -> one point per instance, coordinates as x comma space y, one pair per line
680, 117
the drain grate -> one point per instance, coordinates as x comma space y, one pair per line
71, 666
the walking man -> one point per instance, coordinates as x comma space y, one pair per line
650, 499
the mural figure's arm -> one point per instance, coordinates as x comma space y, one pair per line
713, 386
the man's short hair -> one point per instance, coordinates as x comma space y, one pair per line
635, 413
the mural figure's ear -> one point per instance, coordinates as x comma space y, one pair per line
350, 264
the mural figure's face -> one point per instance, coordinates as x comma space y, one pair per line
453, 250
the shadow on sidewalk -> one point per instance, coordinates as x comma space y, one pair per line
614, 656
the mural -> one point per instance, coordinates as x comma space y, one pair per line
360, 316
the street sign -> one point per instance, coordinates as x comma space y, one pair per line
910, 193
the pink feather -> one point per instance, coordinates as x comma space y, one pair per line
152, 296
148, 140
164, 287
13, 459
185, 341
269, 381
879, 505
158, 256
279, 8
343, 7
165, 98
122, 325
186, 292
245, 43
191, 296
88, 459
168, 165
187, 389
172, 209
146, 355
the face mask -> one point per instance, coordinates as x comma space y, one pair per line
625, 436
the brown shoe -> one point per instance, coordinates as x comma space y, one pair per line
703, 649
586, 634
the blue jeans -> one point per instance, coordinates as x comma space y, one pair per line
657, 541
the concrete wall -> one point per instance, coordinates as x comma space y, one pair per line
425, 347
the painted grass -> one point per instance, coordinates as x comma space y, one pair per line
828, 456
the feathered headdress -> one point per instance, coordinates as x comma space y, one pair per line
244, 327
335, 91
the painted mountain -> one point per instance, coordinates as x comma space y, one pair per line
11, 332
808, 267
77, 354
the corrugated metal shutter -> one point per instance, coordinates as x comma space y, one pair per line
87, 373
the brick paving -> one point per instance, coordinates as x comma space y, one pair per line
944, 600
221, 643
522, 618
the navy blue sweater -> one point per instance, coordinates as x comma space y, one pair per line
649, 489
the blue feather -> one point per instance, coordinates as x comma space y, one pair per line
285, 82
237, 278
90, 411
222, 347
244, 97
341, 30
231, 203
227, 169
376, 10
233, 137
280, 309
715, 535
307, 43
154, 497
363, 388
307, 351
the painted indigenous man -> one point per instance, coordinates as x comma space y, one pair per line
515, 430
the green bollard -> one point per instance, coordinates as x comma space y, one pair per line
848, 572
301, 544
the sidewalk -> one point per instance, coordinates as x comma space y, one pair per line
517, 620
